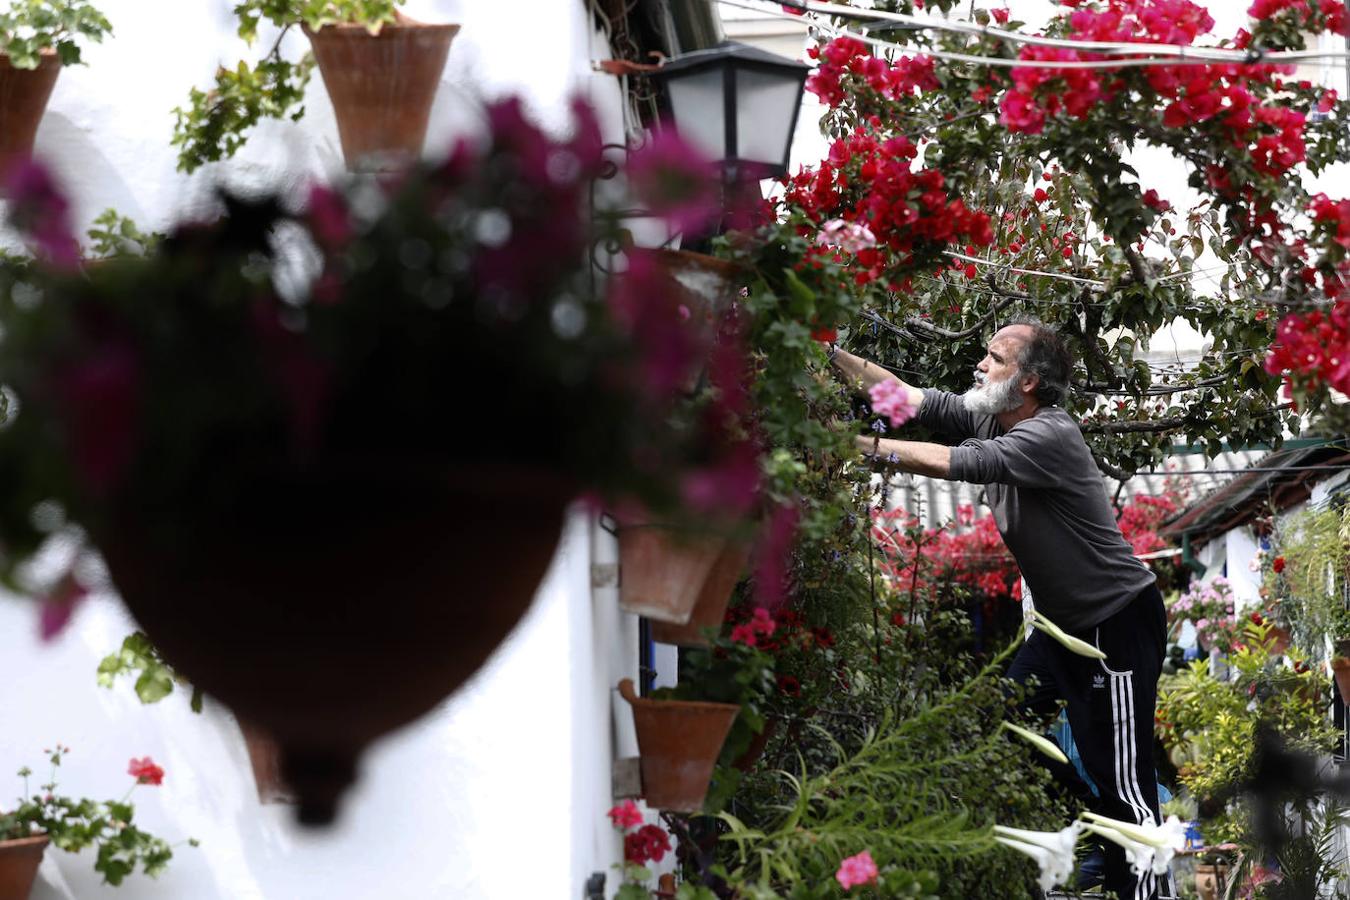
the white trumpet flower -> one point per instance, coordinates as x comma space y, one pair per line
1148, 846
1052, 850
1075, 645
1040, 742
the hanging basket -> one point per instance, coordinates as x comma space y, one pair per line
711, 605
679, 742
382, 86
23, 100
19, 861
331, 607
662, 570
1340, 670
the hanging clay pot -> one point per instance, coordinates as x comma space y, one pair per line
335, 604
711, 606
264, 757
382, 86
1211, 880
23, 100
662, 569
19, 861
678, 741
1340, 670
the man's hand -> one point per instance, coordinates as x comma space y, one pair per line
917, 457
856, 369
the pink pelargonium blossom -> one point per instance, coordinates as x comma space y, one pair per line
891, 399
856, 870
39, 210
847, 236
145, 771
625, 815
676, 181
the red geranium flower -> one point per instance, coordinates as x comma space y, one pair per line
625, 816
1277, 564
145, 771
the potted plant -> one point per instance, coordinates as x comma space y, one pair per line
381, 70
37, 38
72, 825
710, 604
326, 507
710, 716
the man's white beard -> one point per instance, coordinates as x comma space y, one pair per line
991, 398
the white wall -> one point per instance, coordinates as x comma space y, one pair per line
499, 793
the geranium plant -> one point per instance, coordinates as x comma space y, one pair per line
32, 26
212, 126
72, 825
1209, 607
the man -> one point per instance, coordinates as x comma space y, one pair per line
1051, 507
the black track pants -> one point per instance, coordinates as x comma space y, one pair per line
1110, 707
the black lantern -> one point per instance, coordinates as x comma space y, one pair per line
738, 104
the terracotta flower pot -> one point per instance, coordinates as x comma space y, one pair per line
662, 570
1340, 669
1210, 880
19, 861
23, 99
711, 605
331, 607
264, 757
382, 86
679, 742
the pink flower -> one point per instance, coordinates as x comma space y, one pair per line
329, 217
847, 236
676, 181
856, 870
39, 210
625, 816
145, 771
891, 399
1000, 14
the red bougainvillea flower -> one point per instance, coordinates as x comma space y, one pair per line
650, 843
626, 815
856, 870
145, 771
676, 181
38, 209
59, 605
1277, 564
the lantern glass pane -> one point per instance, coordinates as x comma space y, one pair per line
696, 104
765, 104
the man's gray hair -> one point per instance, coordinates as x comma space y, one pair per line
1047, 357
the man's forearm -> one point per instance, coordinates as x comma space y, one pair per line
855, 368
918, 457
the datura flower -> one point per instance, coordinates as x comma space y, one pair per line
1081, 647
1052, 850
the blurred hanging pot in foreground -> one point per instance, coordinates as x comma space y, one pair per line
327, 509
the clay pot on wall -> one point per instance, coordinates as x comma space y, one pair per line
678, 741
710, 607
1211, 880
264, 757
23, 100
662, 570
1340, 670
382, 86
333, 606
19, 861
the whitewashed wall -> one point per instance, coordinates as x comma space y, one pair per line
501, 792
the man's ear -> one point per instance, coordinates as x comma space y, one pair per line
1030, 383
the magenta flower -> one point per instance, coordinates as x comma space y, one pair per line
59, 605
856, 870
39, 210
329, 217
774, 557
891, 399
100, 396
675, 181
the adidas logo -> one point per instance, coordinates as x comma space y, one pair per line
1099, 681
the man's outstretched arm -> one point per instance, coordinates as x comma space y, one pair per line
855, 369
917, 457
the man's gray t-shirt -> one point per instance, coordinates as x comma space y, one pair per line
1050, 505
